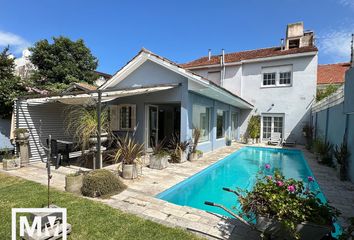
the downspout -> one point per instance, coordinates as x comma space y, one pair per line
223, 68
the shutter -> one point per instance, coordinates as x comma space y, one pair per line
133, 117
114, 121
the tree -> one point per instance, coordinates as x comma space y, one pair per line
62, 62
10, 85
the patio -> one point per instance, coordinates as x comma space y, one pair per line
139, 197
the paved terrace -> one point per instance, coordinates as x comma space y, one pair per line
139, 199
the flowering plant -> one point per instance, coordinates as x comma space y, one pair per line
287, 201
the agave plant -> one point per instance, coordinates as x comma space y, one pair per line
128, 150
81, 122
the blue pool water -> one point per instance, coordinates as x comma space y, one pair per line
239, 169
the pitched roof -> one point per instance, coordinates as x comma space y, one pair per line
247, 55
102, 74
331, 73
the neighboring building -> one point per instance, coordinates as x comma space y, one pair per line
280, 81
331, 74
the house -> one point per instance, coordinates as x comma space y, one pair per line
280, 81
331, 74
152, 97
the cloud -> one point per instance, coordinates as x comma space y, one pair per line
347, 3
17, 43
336, 44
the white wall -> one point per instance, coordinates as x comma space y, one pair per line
294, 101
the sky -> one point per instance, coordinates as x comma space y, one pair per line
178, 30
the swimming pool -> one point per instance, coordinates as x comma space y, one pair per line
239, 169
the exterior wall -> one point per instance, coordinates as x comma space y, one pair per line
349, 89
5, 128
52, 117
213, 143
294, 101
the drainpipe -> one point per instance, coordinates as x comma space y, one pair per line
209, 54
222, 72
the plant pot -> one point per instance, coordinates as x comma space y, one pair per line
22, 136
158, 162
306, 230
11, 164
129, 171
193, 157
183, 156
228, 142
249, 141
73, 183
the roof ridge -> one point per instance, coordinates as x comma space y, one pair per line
339, 63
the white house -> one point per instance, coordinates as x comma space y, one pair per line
279, 81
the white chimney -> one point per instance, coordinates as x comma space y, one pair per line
209, 54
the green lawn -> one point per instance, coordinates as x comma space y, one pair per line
89, 219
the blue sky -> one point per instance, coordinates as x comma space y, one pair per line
179, 30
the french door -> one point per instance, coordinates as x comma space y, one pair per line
152, 126
272, 124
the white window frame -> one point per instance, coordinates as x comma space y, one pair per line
272, 115
277, 70
115, 117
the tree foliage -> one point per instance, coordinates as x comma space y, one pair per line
10, 85
254, 127
62, 62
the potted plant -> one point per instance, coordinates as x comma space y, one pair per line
228, 141
129, 154
287, 208
10, 161
74, 181
81, 122
159, 157
21, 134
193, 155
178, 149
341, 154
254, 129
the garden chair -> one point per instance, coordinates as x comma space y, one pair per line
275, 139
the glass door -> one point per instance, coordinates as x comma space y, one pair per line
234, 125
272, 124
152, 126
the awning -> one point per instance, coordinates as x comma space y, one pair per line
91, 98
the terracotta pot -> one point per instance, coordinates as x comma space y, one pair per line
158, 162
129, 171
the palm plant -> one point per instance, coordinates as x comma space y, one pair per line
81, 122
178, 148
129, 152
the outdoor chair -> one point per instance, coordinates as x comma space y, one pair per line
275, 139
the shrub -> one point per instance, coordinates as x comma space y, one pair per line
254, 127
329, 90
342, 154
101, 182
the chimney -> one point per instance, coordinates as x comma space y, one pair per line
209, 54
282, 44
223, 56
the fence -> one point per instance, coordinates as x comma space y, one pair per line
333, 118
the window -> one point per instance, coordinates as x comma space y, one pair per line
220, 123
201, 120
284, 78
272, 124
295, 43
123, 117
268, 79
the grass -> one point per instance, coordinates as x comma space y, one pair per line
89, 219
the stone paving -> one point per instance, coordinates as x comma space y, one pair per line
139, 198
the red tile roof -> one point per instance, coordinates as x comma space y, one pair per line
332, 73
246, 55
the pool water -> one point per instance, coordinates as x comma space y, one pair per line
238, 170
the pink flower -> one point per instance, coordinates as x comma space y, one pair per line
267, 166
280, 183
291, 188
269, 177
310, 179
